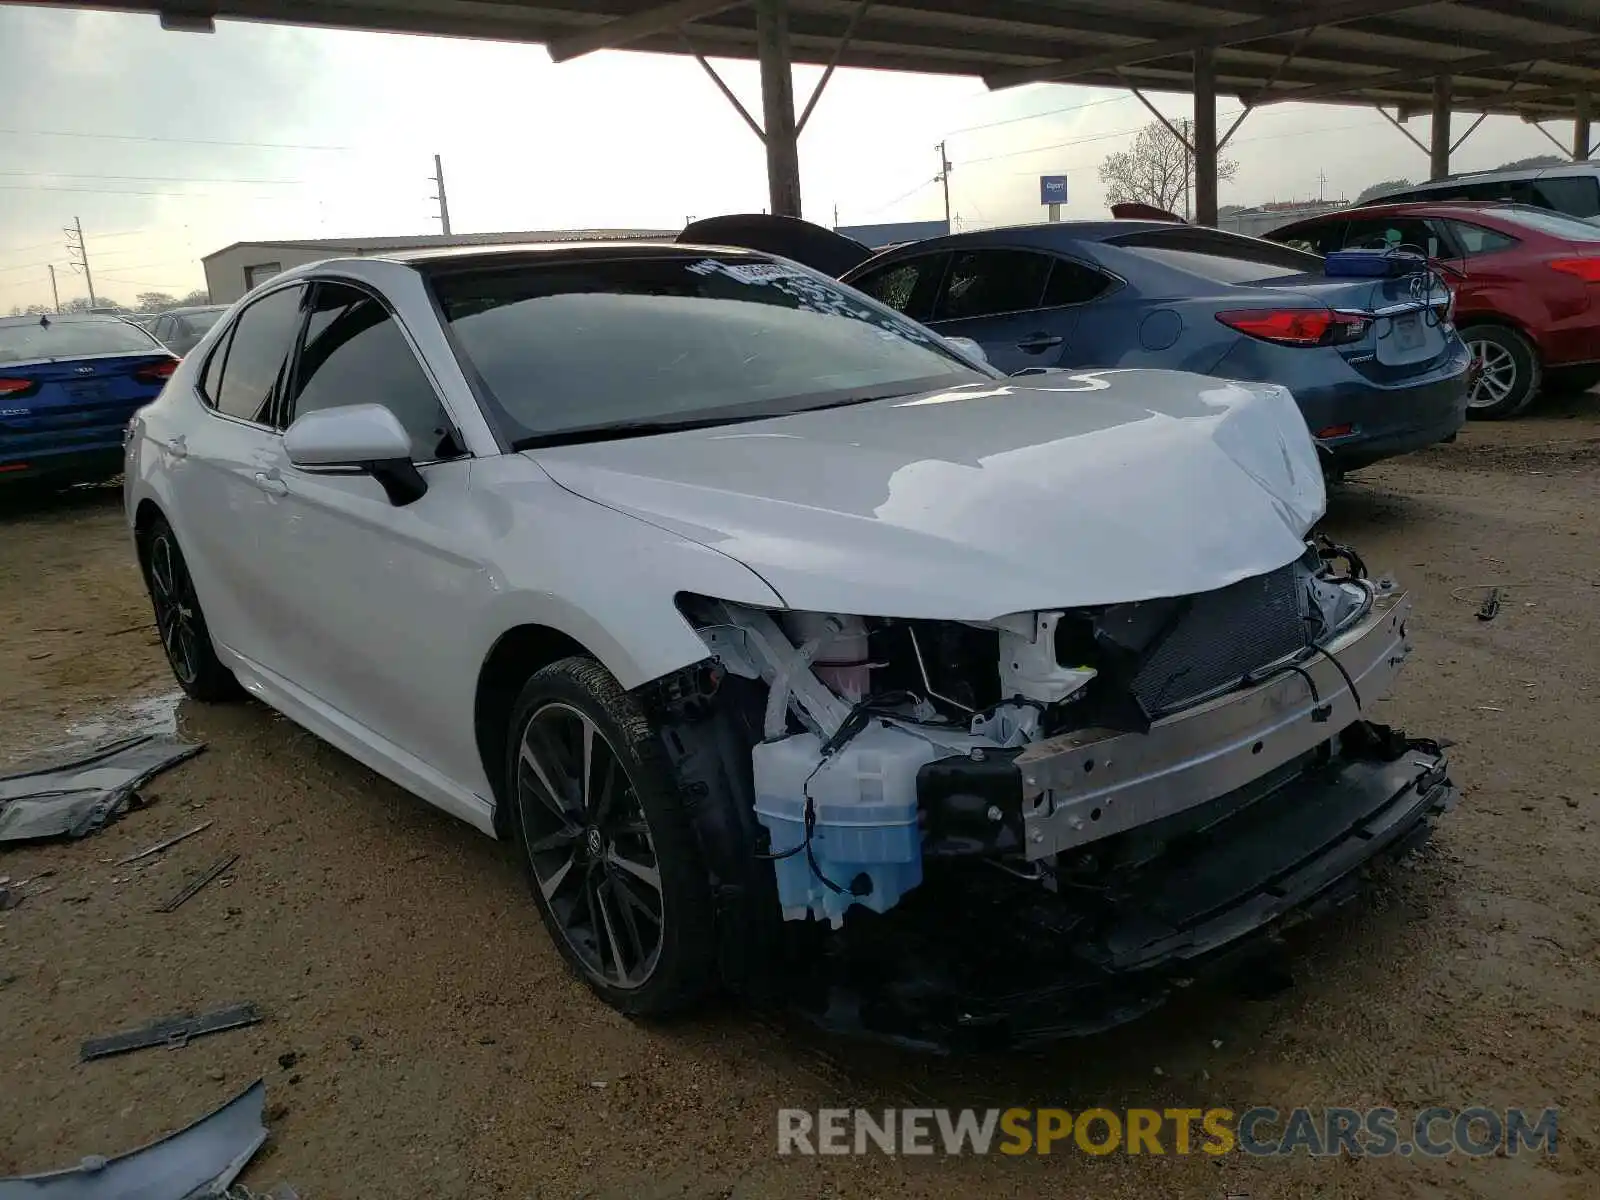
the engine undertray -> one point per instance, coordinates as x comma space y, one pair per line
977, 958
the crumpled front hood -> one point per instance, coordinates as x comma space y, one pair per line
1050, 491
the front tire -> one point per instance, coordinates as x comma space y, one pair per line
185, 637
1509, 372
607, 845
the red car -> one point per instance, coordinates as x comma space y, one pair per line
1527, 284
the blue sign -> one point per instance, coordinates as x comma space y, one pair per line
1052, 189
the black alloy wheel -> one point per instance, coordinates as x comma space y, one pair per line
185, 637
589, 846
172, 596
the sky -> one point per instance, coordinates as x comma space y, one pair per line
169, 146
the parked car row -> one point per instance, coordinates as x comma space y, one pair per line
70, 383
68, 386
1526, 281
1372, 362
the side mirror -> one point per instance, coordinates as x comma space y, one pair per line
968, 349
357, 437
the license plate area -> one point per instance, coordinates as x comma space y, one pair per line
1407, 338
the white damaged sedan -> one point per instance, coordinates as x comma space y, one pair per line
799, 652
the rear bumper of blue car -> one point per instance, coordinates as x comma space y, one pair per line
1355, 420
88, 455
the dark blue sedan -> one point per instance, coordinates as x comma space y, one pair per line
1374, 363
68, 385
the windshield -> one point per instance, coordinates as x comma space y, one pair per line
1554, 224
650, 344
25, 341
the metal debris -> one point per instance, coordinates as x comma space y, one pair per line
75, 798
160, 846
200, 1161
1490, 608
172, 1032
199, 881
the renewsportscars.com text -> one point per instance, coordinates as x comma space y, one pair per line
1263, 1131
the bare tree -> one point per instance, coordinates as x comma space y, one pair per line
1158, 170
154, 302
33, 310
196, 298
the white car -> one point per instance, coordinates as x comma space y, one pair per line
799, 650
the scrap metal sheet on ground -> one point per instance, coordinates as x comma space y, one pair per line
76, 798
200, 1161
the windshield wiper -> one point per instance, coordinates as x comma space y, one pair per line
617, 431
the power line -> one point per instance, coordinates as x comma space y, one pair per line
1094, 137
133, 137
1049, 112
875, 211
25, 187
25, 249
143, 178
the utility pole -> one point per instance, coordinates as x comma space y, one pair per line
55, 296
836, 216
80, 256
444, 203
944, 178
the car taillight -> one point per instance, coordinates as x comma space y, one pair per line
1586, 269
1298, 326
17, 387
157, 372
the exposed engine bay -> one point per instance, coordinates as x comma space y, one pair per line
1021, 827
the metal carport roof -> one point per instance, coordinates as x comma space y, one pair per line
1535, 58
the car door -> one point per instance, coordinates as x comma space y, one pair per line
997, 297
366, 596
218, 470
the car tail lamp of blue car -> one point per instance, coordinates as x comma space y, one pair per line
1298, 326
157, 372
16, 389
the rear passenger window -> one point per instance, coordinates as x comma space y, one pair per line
1575, 195
1411, 232
355, 353
906, 286
1475, 239
1073, 283
986, 283
256, 353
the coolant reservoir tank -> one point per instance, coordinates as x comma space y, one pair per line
841, 661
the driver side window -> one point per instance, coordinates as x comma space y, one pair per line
353, 352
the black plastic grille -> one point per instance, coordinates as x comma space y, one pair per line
1222, 637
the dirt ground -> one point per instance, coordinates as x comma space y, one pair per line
441, 1049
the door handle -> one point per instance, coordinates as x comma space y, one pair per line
178, 447
271, 483
1038, 342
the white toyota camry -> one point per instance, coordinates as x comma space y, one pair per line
799, 651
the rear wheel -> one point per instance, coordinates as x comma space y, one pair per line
184, 635
613, 863
1508, 372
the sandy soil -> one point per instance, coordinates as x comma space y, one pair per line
442, 1050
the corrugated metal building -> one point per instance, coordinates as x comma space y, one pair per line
234, 270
